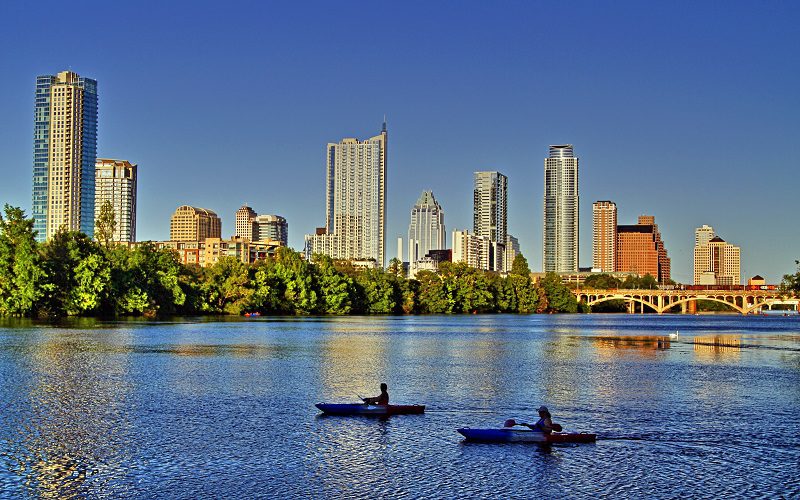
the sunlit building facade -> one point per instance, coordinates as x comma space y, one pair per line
490, 213
426, 231
472, 249
604, 236
194, 224
640, 250
64, 154
716, 262
355, 201
561, 210
115, 182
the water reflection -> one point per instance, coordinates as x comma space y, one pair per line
75, 436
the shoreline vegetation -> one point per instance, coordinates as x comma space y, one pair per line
74, 275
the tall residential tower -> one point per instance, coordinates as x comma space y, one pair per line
355, 201
64, 154
490, 214
115, 182
604, 236
560, 238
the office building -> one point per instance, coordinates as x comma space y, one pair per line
490, 213
194, 224
703, 235
355, 201
245, 223
561, 207
115, 182
604, 236
426, 230
640, 250
269, 227
472, 249
64, 154
716, 262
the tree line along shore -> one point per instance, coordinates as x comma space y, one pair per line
74, 275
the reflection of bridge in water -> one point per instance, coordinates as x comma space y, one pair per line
661, 301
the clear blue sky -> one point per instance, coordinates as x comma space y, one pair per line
684, 110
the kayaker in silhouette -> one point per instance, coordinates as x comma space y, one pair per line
383, 399
545, 423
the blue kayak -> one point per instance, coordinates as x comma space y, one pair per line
365, 409
511, 435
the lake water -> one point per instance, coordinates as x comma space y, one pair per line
200, 408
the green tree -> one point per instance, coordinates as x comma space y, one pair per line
105, 224
520, 266
227, 286
559, 297
601, 282
433, 296
23, 279
380, 295
336, 288
791, 282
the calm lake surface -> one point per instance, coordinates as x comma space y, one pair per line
199, 408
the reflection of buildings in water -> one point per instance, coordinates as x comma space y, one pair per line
717, 347
354, 359
563, 356
74, 439
647, 345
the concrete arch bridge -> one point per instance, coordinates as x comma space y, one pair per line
661, 301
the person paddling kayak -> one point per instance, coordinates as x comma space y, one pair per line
383, 399
544, 424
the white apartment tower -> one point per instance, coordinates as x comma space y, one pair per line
355, 201
561, 206
426, 231
490, 213
115, 181
604, 236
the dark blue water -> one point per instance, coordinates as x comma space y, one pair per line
222, 409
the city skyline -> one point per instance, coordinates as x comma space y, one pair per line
651, 135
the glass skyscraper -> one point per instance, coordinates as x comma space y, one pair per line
560, 239
64, 154
426, 231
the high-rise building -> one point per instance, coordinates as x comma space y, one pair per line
640, 250
716, 262
426, 231
355, 201
560, 228
490, 213
64, 154
604, 236
511, 250
115, 182
472, 249
245, 223
703, 235
194, 224
271, 228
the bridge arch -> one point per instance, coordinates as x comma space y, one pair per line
626, 298
765, 303
686, 300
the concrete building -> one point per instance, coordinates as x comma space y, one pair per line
115, 182
426, 231
207, 252
561, 210
716, 262
511, 250
490, 214
64, 154
194, 224
604, 236
270, 227
245, 223
355, 201
473, 249
639, 250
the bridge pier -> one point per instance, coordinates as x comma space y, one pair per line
692, 306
